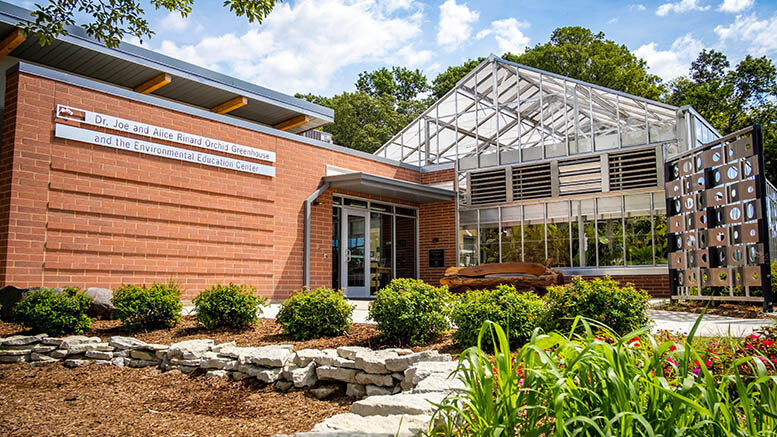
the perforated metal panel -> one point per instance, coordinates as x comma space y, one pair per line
719, 240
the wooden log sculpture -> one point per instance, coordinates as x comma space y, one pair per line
521, 275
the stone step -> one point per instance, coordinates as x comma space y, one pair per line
402, 403
401, 425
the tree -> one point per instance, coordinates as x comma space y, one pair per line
733, 99
112, 20
578, 53
384, 102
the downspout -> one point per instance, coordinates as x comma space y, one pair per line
306, 245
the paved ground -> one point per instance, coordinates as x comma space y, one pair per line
673, 321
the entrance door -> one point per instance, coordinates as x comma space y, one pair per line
356, 253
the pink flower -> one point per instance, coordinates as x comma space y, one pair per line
696, 370
753, 336
768, 343
671, 361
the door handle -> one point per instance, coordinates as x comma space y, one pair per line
347, 255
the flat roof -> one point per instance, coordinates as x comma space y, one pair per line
129, 66
366, 183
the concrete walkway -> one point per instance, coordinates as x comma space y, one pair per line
676, 322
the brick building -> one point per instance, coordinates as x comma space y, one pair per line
126, 166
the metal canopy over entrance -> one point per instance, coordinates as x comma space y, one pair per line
365, 183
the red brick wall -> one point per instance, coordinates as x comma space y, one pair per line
655, 285
86, 215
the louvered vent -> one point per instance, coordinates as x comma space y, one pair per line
633, 170
488, 187
583, 175
532, 182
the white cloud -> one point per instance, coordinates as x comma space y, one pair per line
637, 7
174, 22
735, 5
301, 47
455, 23
613, 20
669, 64
508, 35
749, 29
680, 7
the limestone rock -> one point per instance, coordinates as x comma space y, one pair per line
330, 358
99, 355
401, 425
23, 340
283, 386
101, 306
43, 348
374, 390
217, 373
143, 355
7, 359
403, 403
418, 371
239, 376
58, 353
235, 352
350, 352
373, 361
187, 363
160, 354
119, 361
325, 391
15, 352
439, 383
189, 349
52, 341
355, 391
305, 356
265, 375
271, 356
211, 360
369, 378
74, 340
304, 376
85, 347
153, 347
219, 347
102, 363
402, 362
35, 356
72, 363
142, 363
329, 373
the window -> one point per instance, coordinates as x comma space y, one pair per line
512, 250
534, 233
609, 226
639, 240
489, 236
468, 237
558, 233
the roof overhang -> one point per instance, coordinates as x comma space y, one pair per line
365, 183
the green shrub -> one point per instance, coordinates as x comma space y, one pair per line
622, 308
142, 308
519, 313
231, 306
408, 311
45, 311
309, 314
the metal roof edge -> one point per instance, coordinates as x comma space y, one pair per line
84, 82
382, 181
149, 58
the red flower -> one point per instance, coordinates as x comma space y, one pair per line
708, 363
672, 348
768, 343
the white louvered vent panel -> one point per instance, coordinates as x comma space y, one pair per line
532, 182
579, 176
633, 170
488, 187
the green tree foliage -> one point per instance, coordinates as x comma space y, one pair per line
112, 20
733, 98
578, 53
384, 102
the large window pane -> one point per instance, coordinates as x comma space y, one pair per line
511, 234
639, 248
583, 243
660, 229
558, 233
380, 250
405, 247
610, 231
489, 236
534, 233
468, 238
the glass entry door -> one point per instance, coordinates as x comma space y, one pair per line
356, 253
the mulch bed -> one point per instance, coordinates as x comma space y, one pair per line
266, 332
109, 401
739, 310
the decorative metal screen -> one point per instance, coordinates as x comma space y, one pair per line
718, 226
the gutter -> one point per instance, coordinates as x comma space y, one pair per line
306, 245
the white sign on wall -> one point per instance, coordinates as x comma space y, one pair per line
161, 133
148, 148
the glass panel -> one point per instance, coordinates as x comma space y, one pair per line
558, 233
610, 231
633, 122
336, 224
405, 252
489, 236
406, 211
534, 233
337, 200
355, 203
355, 255
380, 250
660, 229
639, 249
468, 236
583, 246
511, 234
380, 207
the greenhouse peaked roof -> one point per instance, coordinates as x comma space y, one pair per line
502, 107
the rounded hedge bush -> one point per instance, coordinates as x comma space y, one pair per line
622, 308
516, 312
55, 313
318, 313
409, 311
142, 308
230, 306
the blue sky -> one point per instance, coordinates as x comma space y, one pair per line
321, 46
